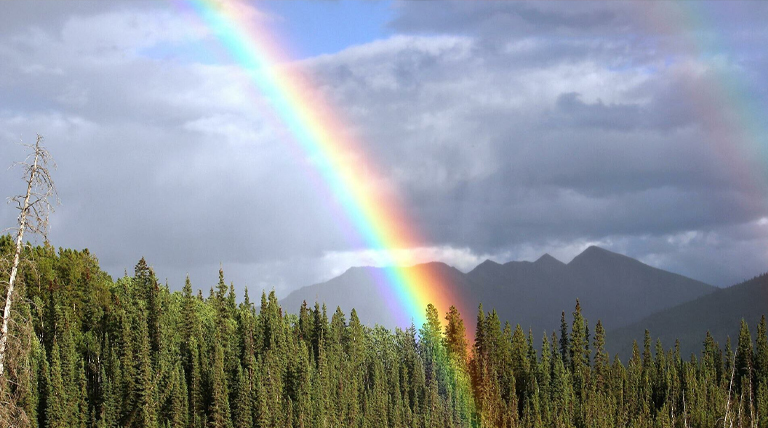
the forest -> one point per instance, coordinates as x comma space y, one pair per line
87, 351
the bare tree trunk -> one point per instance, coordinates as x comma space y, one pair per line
34, 209
730, 387
752, 420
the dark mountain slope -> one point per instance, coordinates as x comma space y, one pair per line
614, 288
720, 313
624, 289
548, 263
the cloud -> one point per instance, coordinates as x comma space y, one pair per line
504, 19
505, 130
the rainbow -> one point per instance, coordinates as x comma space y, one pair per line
733, 117
368, 203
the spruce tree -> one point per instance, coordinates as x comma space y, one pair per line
601, 359
57, 412
761, 353
177, 405
565, 349
579, 358
544, 379
218, 411
149, 290
455, 339
743, 377
520, 364
578, 340
145, 393
243, 414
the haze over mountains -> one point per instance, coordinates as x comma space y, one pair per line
611, 287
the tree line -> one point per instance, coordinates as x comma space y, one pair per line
87, 351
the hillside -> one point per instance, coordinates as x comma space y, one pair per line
720, 313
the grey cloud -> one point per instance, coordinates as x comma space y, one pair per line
667, 112
509, 129
558, 169
629, 19
145, 171
572, 111
500, 18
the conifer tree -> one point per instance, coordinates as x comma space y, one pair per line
562, 396
146, 283
578, 340
111, 404
306, 326
520, 364
601, 359
177, 404
128, 378
565, 348
544, 379
455, 340
743, 358
57, 410
218, 412
711, 357
431, 341
195, 388
761, 353
145, 393
243, 405
480, 332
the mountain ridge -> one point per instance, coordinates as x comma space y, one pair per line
614, 288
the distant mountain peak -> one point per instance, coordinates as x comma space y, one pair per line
488, 262
486, 267
594, 253
594, 249
547, 261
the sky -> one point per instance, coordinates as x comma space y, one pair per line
506, 130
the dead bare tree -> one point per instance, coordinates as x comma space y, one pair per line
34, 208
730, 389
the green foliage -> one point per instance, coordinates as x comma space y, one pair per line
131, 353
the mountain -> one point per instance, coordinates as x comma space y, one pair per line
611, 287
365, 290
720, 313
614, 288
